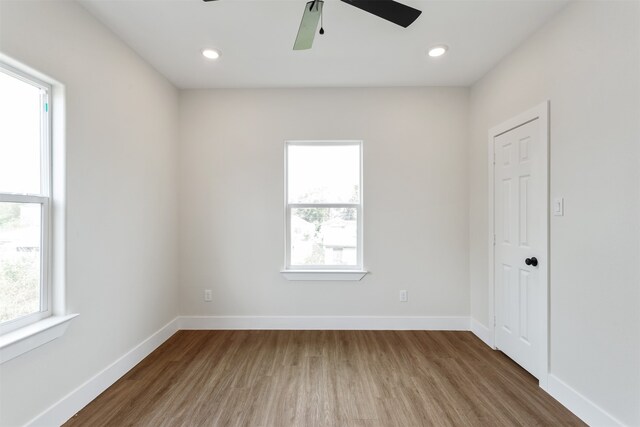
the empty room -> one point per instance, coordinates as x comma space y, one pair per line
339, 213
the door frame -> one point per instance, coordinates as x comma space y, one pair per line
539, 112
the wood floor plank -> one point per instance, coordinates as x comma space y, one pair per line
324, 378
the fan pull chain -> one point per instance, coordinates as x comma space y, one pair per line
322, 18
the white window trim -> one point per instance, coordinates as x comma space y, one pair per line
29, 332
324, 275
32, 336
323, 272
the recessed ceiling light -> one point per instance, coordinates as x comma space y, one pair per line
436, 51
211, 53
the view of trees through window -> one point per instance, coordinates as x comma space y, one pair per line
23, 193
324, 236
323, 195
19, 260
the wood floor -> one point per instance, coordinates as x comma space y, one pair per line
325, 378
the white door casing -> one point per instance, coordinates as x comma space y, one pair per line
519, 233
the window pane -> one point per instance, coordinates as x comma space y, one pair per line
20, 133
323, 173
20, 226
324, 236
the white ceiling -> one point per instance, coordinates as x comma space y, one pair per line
358, 49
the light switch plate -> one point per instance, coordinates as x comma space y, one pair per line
558, 206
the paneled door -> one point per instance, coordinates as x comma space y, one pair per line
520, 227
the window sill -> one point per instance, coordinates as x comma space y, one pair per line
337, 275
20, 341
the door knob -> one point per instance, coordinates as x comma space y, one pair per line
531, 261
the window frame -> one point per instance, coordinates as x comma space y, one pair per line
358, 268
43, 199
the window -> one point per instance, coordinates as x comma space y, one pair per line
25, 190
323, 194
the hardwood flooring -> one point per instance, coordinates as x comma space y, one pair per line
325, 378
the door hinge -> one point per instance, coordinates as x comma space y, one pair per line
494, 239
494, 157
494, 321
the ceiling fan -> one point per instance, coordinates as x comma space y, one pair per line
390, 10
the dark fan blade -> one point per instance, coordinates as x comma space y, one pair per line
208, 0
390, 10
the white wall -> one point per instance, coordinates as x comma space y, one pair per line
586, 62
121, 199
415, 199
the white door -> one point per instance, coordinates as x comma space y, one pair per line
520, 252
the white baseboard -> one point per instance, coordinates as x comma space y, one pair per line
582, 407
459, 323
69, 405
482, 332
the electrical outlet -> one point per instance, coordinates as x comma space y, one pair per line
208, 295
404, 296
